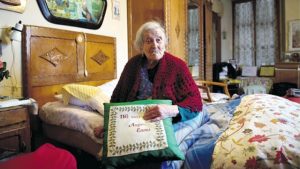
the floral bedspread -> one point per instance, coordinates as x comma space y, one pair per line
263, 133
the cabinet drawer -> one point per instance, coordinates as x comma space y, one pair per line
12, 116
11, 143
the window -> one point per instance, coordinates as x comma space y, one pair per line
256, 32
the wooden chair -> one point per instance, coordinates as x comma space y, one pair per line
205, 86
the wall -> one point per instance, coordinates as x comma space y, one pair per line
226, 31
33, 16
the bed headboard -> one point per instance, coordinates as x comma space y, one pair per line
53, 57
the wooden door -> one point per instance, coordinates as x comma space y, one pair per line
176, 25
139, 12
201, 40
171, 13
208, 41
217, 38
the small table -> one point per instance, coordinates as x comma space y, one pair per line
15, 135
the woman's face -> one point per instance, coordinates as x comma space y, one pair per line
154, 44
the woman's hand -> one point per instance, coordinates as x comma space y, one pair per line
99, 132
160, 112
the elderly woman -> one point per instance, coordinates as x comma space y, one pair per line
157, 74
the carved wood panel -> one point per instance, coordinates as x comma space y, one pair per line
53, 57
52, 60
176, 25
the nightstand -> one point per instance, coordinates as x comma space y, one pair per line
15, 133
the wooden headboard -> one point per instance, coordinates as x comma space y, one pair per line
53, 57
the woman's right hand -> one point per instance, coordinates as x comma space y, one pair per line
160, 112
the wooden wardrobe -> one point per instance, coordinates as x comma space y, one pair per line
174, 15
171, 13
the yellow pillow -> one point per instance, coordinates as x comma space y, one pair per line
89, 95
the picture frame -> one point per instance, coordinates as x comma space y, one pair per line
80, 13
267, 71
294, 35
116, 9
249, 71
11, 6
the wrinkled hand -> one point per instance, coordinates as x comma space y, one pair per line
99, 132
160, 112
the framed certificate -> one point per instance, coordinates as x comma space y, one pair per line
267, 71
249, 71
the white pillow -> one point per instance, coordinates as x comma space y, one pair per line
109, 87
72, 100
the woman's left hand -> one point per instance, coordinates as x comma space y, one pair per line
160, 112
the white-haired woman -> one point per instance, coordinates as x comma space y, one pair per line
157, 74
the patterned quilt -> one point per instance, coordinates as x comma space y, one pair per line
263, 133
197, 137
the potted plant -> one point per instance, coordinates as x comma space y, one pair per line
3, 72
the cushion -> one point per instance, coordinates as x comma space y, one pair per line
129, 139
72, 100
81, 95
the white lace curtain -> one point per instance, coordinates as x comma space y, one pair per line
244, 33
259, 48
193, 37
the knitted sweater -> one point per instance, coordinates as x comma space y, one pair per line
172, 81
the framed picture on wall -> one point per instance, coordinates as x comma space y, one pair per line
294, 35
267, 71
80, 13
249, 71
15, 6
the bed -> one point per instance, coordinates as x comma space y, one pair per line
253, 131
52, 58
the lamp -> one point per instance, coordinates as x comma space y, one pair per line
16, 32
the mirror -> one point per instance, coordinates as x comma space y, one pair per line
290, 17
87, 14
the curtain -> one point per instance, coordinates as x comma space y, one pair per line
266, 32
244, 34
193, 37
255, 40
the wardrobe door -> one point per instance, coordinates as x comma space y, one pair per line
171, 13
176, 25
208, 40
139, 12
